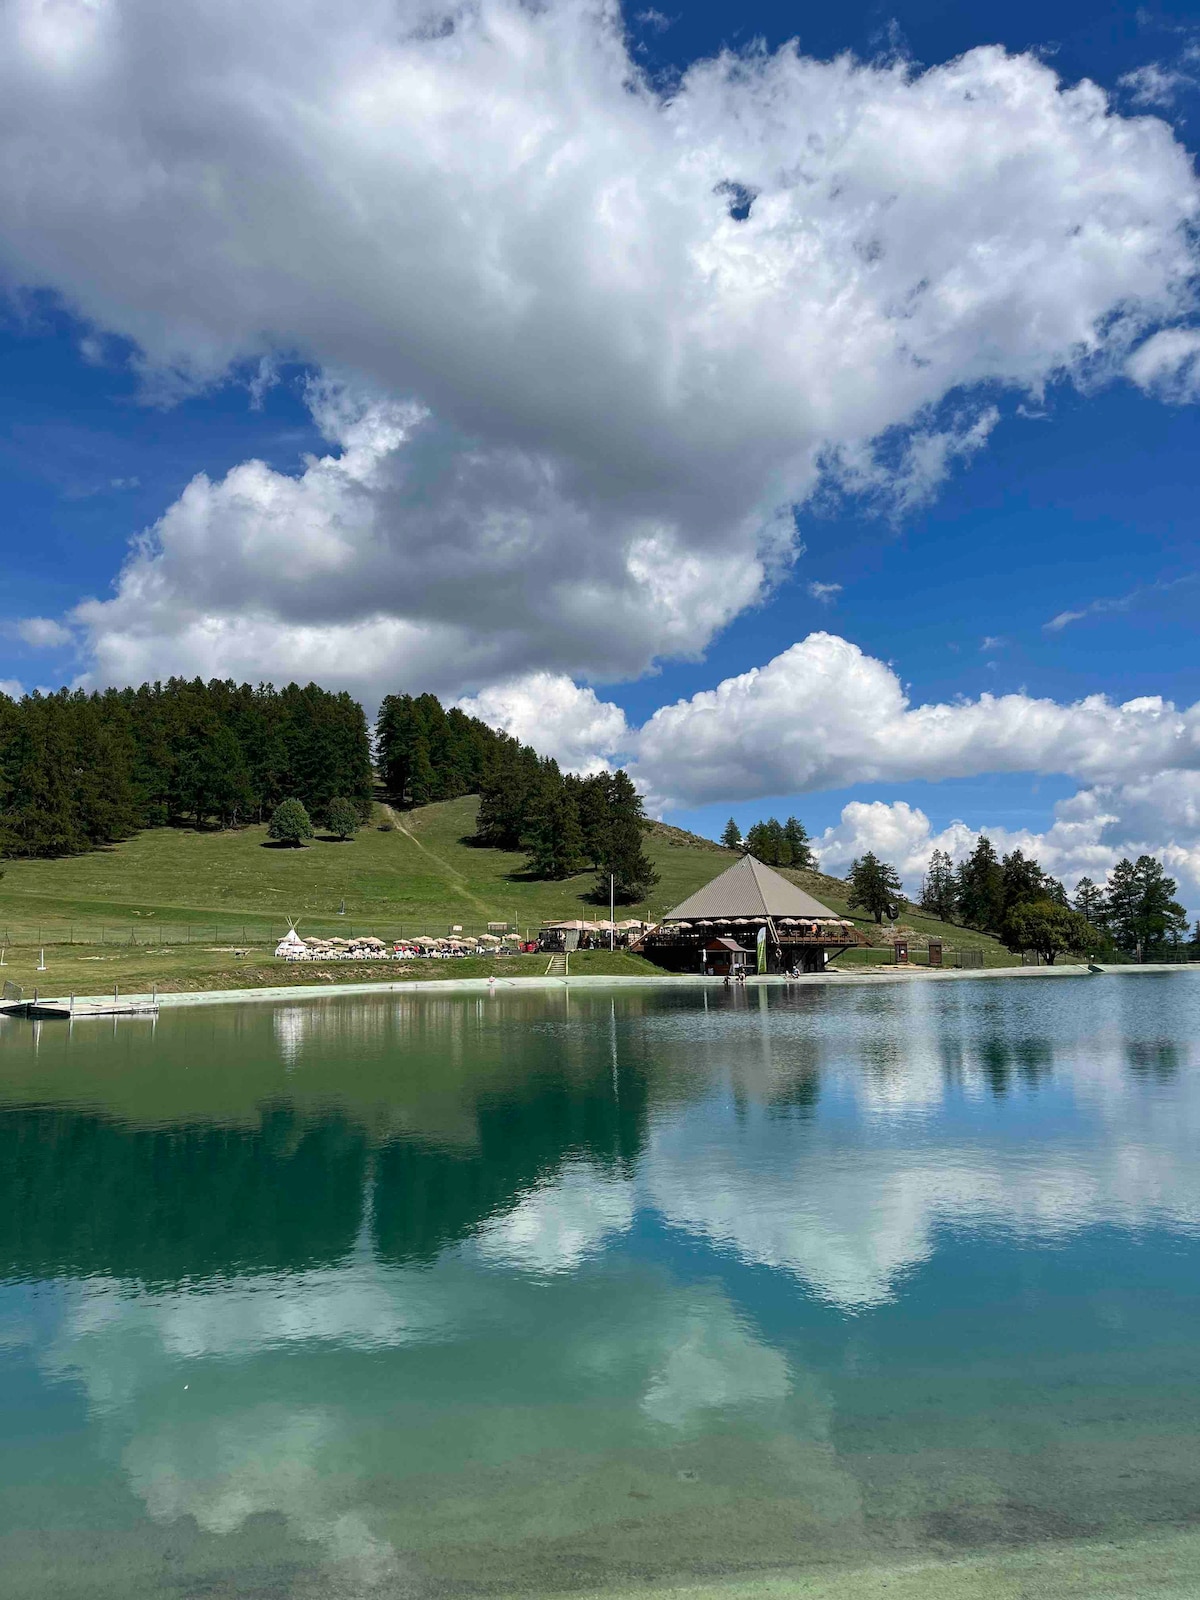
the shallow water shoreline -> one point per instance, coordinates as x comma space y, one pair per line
1166, 1565
840, 979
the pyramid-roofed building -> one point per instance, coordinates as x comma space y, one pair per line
716, 930
750, 889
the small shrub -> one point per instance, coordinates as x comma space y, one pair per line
386, 827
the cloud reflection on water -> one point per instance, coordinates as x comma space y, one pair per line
547, 1313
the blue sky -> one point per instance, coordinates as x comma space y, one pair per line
319, 295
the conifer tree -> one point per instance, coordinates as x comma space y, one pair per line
796, 845
981, 888
875, 886
779, 844
422, 779
553, 836
624, 859
777, 853
37, 819
511, 782
939, 889
102, 797
592, 800
1090, 902
757, 844
1142, 910
230, 792
731, 838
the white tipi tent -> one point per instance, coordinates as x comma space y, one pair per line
292, 947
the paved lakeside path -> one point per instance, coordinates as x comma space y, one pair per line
324, 991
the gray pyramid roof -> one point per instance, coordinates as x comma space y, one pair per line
748, 889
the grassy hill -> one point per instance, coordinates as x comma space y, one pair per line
171, 905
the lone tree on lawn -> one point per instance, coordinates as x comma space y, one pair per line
342, 818
732, 837
290, 823
874, 886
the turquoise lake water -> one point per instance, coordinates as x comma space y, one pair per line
538, 1293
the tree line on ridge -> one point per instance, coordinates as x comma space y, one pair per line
1011, 897
778, 844
565, 824
1014, 898
80, 770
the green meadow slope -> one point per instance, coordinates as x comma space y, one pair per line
173, 902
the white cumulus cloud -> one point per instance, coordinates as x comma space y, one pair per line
1089, 833
591, 386
557, 717
42, 633
824, 714
1166, 364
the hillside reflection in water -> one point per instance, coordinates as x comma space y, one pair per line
541, 1290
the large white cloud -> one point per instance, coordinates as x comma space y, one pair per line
403, 557
824, 714
588, 393
557, 717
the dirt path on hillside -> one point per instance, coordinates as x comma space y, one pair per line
458, 883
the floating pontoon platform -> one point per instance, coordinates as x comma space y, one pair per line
74, 1010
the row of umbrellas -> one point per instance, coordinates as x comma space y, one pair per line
367, 941
598, 927
294, 947
757, 922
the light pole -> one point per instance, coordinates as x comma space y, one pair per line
612, 901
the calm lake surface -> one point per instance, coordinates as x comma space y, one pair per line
602, 1290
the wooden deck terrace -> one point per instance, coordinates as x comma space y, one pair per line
791, 942
784, 933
